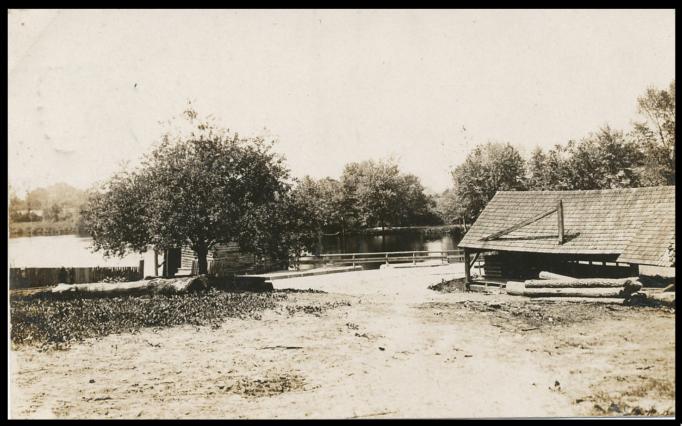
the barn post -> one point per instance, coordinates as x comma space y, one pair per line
467, 268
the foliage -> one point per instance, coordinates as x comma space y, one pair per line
605, 159
284, 229
331, 207
201, 187
448, 207
57, 320
655, 135
487, 169
602, 160
378, 194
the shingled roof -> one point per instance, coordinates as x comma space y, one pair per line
636, 223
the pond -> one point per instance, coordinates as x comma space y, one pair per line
69, 251
413, 241
75, 251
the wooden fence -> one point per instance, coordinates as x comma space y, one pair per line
37, 277
387, 257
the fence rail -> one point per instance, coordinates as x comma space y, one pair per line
387, 257
37, 277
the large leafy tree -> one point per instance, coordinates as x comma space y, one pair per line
655, 135
376, 193
201, 187
330, 205
375, 189
489, 168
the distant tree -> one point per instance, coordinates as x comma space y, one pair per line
417, 207
330, 206
449, 209
376, 193
200, 188
375, 188
489, 168
602, 160
54, 212
655, 135
548, 171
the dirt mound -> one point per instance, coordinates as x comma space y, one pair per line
272, 384
451, 286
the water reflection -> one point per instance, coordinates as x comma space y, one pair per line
379, 243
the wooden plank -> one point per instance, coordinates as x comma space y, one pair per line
518, 225
560, 220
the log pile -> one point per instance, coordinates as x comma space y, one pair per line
554, 285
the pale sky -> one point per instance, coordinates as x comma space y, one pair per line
87, 89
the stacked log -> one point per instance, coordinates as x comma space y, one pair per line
554, 285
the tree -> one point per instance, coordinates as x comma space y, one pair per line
54, 212
655, 135
417, 207
200, 188
375, 190
602, 160
487, 169
448, 207
328, 202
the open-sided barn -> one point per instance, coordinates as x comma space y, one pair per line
596, 233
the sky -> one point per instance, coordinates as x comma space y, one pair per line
89, 88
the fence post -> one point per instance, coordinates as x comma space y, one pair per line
414, 260
353, 260
140, 269
387, 258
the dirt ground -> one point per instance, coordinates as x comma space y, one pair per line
378, 344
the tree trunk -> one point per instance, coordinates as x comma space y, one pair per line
202, 254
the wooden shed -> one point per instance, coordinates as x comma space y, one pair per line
597, 233
223, 260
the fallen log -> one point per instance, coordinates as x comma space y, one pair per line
515, 288
574, 292
585, 283
643, 298
669, 288
544, 275
157, 285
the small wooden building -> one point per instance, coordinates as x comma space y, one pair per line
599, 233
223, 260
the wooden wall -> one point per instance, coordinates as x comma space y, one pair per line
517, 265
39, 277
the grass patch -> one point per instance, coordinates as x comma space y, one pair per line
56, 321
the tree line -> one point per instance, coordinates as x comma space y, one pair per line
608, 158
54, 203
368, 194
203, 186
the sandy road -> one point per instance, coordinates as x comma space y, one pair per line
391, 348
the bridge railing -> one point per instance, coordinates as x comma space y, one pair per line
387, 257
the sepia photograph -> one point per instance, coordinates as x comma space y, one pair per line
341, 214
